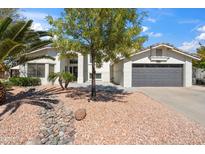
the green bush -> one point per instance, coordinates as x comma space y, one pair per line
25, 81
8, 85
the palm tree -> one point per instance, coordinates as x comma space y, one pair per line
63, 77
16, 41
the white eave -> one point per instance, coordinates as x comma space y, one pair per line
168, 46
41, 49
15, 67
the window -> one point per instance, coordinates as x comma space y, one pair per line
51, 68
97, 76
36, 70
158, 52
66, 68
73, 61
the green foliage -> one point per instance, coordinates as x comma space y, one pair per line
7, 84
18, 39
105, 34
25, 81
67, 77
9, 12
63, 77
53, 76
201, 54
109, 33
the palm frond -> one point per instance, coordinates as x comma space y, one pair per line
7, 47
22, 30
38, 44
4, 25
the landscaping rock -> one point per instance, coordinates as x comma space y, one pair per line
57, 127
80, 114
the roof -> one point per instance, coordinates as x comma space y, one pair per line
41, 49
15, 67
193, 56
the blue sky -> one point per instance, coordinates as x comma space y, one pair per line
184, 28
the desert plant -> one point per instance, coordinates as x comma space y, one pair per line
17, 39
63, 77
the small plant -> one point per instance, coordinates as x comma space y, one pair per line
7, 84
25, 81
63, 77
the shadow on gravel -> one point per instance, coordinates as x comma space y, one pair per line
31, 96
45, 97
104, 93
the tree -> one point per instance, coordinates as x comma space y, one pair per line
63, 77
9, 12
105, 34
16, 41
201, 53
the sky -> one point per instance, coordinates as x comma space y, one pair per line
183, 28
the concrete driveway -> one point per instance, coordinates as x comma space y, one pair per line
189, 101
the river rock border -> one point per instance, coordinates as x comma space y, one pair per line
57, 125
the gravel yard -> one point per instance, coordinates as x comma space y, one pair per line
116, 118
131, 118
18, 123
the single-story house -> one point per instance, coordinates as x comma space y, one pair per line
155, 66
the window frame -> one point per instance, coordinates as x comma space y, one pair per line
36, 74
73, 61
90, 76
49, 72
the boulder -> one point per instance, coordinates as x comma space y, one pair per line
80, 114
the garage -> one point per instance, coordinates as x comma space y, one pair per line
157, 75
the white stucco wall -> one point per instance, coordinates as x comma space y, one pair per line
117, 73
188, 72
80, 69
56, 62
104, 70
143, 58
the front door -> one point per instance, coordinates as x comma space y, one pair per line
74, 71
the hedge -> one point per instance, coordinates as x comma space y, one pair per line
25, 81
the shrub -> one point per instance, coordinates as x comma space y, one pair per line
25, 81
7, 84
200, 81
63, 77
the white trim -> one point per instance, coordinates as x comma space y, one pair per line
41, 49
180, 52
15, 67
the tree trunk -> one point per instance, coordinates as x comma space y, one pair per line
2, 94
93, 87
61, 82
66, 85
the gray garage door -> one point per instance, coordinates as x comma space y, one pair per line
157, 75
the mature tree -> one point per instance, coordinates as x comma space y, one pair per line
16, 41
201, 53
105, 34
9, 12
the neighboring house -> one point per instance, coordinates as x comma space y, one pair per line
158, 65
